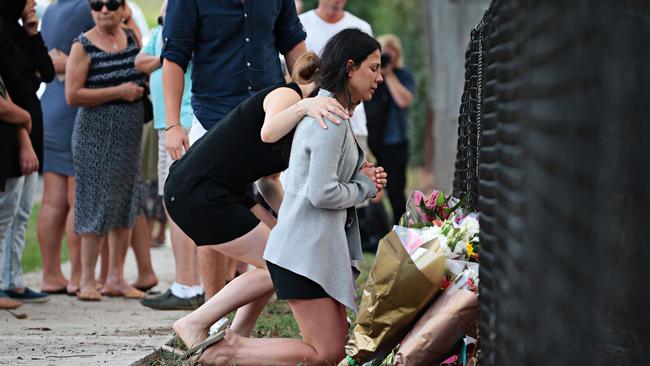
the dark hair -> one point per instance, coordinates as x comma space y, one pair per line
348, 44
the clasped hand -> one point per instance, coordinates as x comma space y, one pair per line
377, 175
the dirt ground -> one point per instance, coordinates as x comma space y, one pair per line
65, 331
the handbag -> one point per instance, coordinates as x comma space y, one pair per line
147, 106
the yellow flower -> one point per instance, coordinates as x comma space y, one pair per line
470, 249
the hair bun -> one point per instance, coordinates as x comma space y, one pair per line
306, 68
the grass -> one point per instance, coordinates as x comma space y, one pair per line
32, 254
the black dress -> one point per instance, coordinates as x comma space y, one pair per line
24, 64
205, 193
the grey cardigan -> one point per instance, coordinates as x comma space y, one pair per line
317, 234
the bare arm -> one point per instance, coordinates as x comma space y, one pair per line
293, 55
59, 59
176, 140
76, 94
27, 156
272, 191
147, 63
284, 110
11, 113
402, 96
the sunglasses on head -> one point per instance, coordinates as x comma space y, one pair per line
111, 5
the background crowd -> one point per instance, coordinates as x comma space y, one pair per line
104, 163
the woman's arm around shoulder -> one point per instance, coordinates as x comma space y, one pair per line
285, 109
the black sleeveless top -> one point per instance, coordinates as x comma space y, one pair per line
232, 154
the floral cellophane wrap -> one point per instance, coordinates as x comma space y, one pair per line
399, 288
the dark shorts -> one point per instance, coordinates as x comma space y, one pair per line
292, 286
211, 214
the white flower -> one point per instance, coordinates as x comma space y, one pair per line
470, 225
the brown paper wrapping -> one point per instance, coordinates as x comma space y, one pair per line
450, 317
395, 293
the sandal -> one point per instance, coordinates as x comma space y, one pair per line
197, 349
131, 293
89, 295
216, 332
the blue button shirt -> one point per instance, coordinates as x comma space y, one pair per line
233, 48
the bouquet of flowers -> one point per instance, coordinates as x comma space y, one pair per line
437, 244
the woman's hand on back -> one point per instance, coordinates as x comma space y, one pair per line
320, 107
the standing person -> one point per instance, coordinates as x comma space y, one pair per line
248, 38
321, 24
388, 112
24, 64
311, 250
11, 118
186, 292
101, 79
63, 21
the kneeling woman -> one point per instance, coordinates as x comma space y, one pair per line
311, 250
205, 193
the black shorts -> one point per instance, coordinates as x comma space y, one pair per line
211, 214
292, 286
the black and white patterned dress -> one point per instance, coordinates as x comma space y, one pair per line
106, 145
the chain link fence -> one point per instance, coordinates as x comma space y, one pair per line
554, 152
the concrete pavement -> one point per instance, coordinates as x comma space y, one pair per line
65, 331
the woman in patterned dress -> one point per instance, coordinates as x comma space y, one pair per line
102, 80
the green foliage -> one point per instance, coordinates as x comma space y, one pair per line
404, 19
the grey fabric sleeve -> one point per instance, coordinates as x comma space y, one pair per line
324, 189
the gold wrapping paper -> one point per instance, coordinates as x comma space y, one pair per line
451, 316
396, 292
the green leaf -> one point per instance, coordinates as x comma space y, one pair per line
441, 199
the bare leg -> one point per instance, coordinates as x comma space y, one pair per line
232, 267
212, 268
322, 324
184, 256
242, 290
90, 246
160, 236
253, 288
140, 243
51, 223
115, 283
103, 272
73, 240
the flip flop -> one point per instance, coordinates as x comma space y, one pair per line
198, 348
145, 289
89, 296
132, 293
219, 327
60, 291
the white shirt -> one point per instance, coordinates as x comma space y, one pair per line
318, 33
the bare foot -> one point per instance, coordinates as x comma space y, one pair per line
88, 293
146, 282
72, 288
189, 332
51, 284
222, 352
122, 289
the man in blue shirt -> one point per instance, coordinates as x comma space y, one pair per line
233, 46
